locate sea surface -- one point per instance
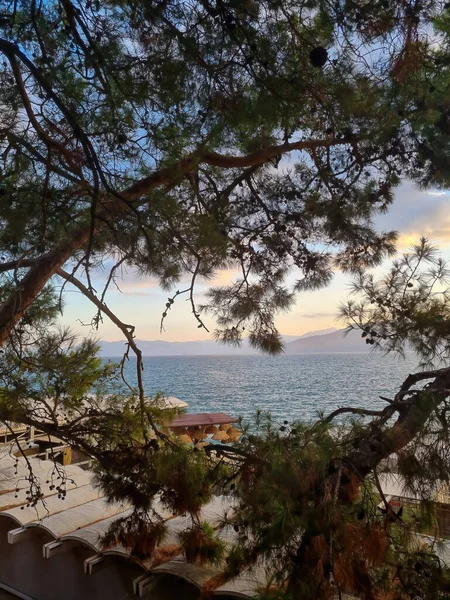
(291, 387)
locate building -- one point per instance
(54, 551)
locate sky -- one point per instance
(414, 213)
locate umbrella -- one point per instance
(234, 433)
(199, 435)
(221, 436)
(185, 438)
(211, 429)
(225, 427)
(193, 430)
(178, 430)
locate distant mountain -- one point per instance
(199, 348)
(309, 343)
(162, 348)
(331, 342)
(315, 333)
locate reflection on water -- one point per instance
(290, 387)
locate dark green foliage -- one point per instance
(181, 138)
(137, 533)
(201, 546)
(408, 308)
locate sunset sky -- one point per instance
(414, 213)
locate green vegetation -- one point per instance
(182, 137)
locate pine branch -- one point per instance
(375, 447)
(354, 411)
(127, 330)
(21, 263)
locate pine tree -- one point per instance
(182, 138)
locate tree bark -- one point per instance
(13, 309)
(413, 415)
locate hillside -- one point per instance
(332, 342)
(309, 343)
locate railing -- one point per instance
(51, 452)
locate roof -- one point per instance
(394, 485)
(173, 402)
(84, 516)
(193, 419)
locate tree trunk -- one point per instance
(13, 309)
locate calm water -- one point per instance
(291, 387)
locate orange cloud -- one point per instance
(435, 226)
(224, 277)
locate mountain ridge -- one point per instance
(338, 342)
(310, 343)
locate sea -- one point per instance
(290, 387)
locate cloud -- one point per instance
(129, 280)
(435, 226)
(224, 277)
(126, 278)
(318, 315)
(415, 213)
(132, 292)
